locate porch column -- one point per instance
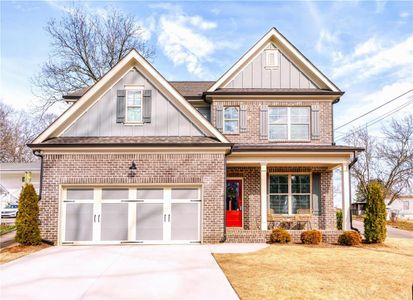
(345, 193)
(264, 225)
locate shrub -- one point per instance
(349, 238)
(311, 237)
(339, 219)
(375, 220)
(280, 235)
(27, 225)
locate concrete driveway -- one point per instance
(116, 272)
(391, 231)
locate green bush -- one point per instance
(27, 225)
(311, 237)
(349, 238)
(375, 220)
(339, 219)
(280, 235)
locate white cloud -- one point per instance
(397, 58)
(405, 14)
(183, 44)
(326, 41)
(184, 39)
(367, 47)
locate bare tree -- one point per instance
(84, 47)
(18, 128)
(388, 160)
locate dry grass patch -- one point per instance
(400, 224)
(14, 252)
(323, 272)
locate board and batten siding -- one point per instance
(256, 75)
(100, 119)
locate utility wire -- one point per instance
(378, 119)
(387, 102)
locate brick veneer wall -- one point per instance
(67, 169)
(259, 236)
(252, 194)
(252, 136)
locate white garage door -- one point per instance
(131, 215)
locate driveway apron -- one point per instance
(116, 272)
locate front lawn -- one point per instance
(323, 272)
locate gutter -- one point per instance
(355, 159)
(39, 154)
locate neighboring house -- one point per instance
(402, 207)
(358, 208)
(11, 179)
(139, 159)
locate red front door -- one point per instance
(234, 203)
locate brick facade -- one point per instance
(259, 236)
(92, 169)
(252, 194)
(252, 136)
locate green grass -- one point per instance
(5, 228)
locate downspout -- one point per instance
(38, 154)
(224, 237)
(349, 175)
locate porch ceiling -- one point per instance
(330, 160)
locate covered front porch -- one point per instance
(292, 189)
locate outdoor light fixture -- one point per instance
(132, 169)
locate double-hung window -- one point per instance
(231, 119)
(134, 105)
(289, 123)
(289, 192)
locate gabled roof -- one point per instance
(286, 47)
(132, 59)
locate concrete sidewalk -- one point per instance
(116, 272)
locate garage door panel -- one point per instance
(185, 193)
(150, 194)
(79, 222)
(79, 194)
(120, 214)
(115, 194)
(185, 221)
(114, 222)
(149, 221)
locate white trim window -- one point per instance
(231, 120)
(272, 58)
(289, 192)
(134, 105)
(406, 205)
(289, 123)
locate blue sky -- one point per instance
(366, 48)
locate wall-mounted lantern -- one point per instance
(132, 169)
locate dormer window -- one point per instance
(272, 58)
(134, 105)
(231, 120)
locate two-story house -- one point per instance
(139, 159)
